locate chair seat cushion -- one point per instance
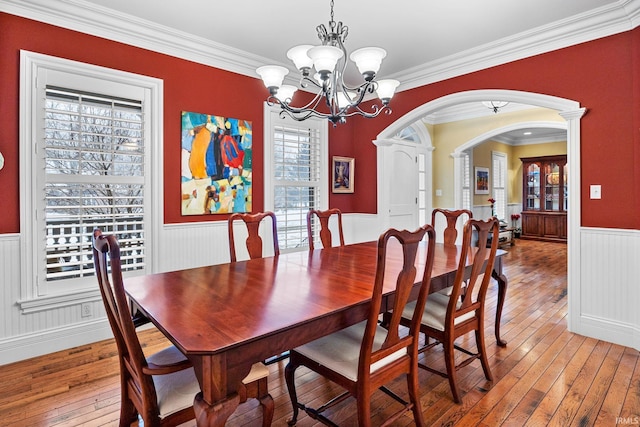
(340, 351)
(435, 311)
(176, 391)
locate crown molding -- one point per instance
(100, 21)
(597, 23)
(89, 18)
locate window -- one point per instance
(466, 180)
(499, 165)
(93, 177)
(295, 174)
(87, 139)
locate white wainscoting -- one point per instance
(608, 296)
(608, 305)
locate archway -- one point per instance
(570, 110)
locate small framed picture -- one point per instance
(482, 180)
(343, 174)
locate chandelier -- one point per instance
(494, 105)
(334, 99)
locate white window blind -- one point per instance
(499, 162)
(94, 177)
(466, 181)
(296, 180)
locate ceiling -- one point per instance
(425, 40)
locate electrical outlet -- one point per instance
(86, 310)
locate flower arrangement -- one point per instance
(514, 221)
(492, 201)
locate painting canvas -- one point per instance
(216, 164)
(482, 180)
(343, 173)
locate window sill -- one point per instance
(51, 302)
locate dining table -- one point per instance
(225, 317)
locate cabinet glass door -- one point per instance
(552, 187)
(532, 175)
(565, 189)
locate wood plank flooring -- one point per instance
(545, 375)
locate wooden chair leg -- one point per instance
(483, 353)
(414, 396)
(449, 358)
(289, 376)
(266, 402)
(364, 410)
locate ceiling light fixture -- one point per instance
(494, 105)
(330, 62)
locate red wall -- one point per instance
(188, 86)
(602, 75)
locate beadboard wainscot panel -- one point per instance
(41, 331)
(9, 284)
(610, 287)
(190, 245)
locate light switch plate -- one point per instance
(596, 191)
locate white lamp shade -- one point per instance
(298, 54)
(368, 59)
(272, 75)
(325, 58)
(386, 88)
(285, 93)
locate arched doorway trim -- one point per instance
(571, 111)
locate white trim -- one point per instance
(50, 341)
(90, 18)
(607, 20)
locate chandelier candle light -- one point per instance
(330, 61)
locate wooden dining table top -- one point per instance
(214, 308)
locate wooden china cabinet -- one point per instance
(544, 198)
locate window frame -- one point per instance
(272, 118)
(35, 70)
(497, 175)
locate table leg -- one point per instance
(219, 384)
(214, 415)
(502, 293)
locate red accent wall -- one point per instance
(188, 86)
(603, 75)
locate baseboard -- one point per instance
(24, 347)
(606, 330)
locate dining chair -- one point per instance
(323, 218)
(451, 216)
(364, 357)
(448, 317)
(159, 388)
(255, 248)
(254, 242)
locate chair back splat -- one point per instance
(254, 241)
(364, 357)
(323, 218)
(451, 216)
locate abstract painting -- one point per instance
(216, 164)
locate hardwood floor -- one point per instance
(545, 375)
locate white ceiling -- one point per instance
(414, 32)
(426, 40)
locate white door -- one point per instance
(403, 187)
